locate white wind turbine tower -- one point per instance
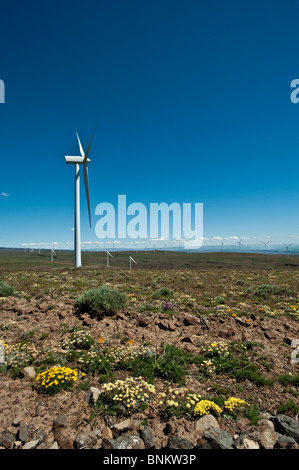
(240, 243)
(131, 259)
(287, 247)
(265, 243)
(108, 254)
(83, 160)
(52, 253)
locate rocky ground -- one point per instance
(29, 419)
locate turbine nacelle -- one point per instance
(80, 160)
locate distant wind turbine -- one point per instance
(131, 259)
(287, 247)
(240, 243)
(265, 243)
(52, 254)
(82, 160)
(108, 254)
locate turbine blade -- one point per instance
(86, 183)
(80, 146)
(87, 151)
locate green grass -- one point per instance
(289, 408)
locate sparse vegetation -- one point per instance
(219, 330)
(6, 290)
(103, 299)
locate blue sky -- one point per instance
(192, 99)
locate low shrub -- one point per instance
(6, 290)
(101, 300)
(164, 292)
(289, 408)
(53, 380)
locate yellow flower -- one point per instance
(205, 407)
(130, 341)
(101, 340)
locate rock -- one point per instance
(7, 439)
(146, 319)
(128, 441)
(244, 442)
(169, 428)
(92, 395)
(230, 332)
(204, 423)
(186, 339)
(171, 326)
(264, 434)
(23, 433)
(62, 436)
(107, 433)
(40, 434)
(218, 438)
(107, 444)
(54, 446)
(163, 325)
(288, 340)
(203, 444)
(60, 421)
(148, 438)
(285, 442)
(31, 444)
(269, 334)
(123, 425)
(28, 373)
(287, 426)
(63, 314)
(191, 320)
(240, 321)
(175, 442)
(88, 439)
(16, 421)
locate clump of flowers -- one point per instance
(205, 407)
(132, 297)
(294, 310)
(207, 367)
(176, 402)
(79, 339)
(235, 405)
(19, 355)
(168, 307)
(126, 396)
(56, 378)
(216, 349)
(91, 360)
(123, 355)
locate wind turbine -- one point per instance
(108, 254)
(52, 253)
(287, 247)
(131, 259)
(265, 243)
(222, 243)
(82, 160)
(240, 243)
